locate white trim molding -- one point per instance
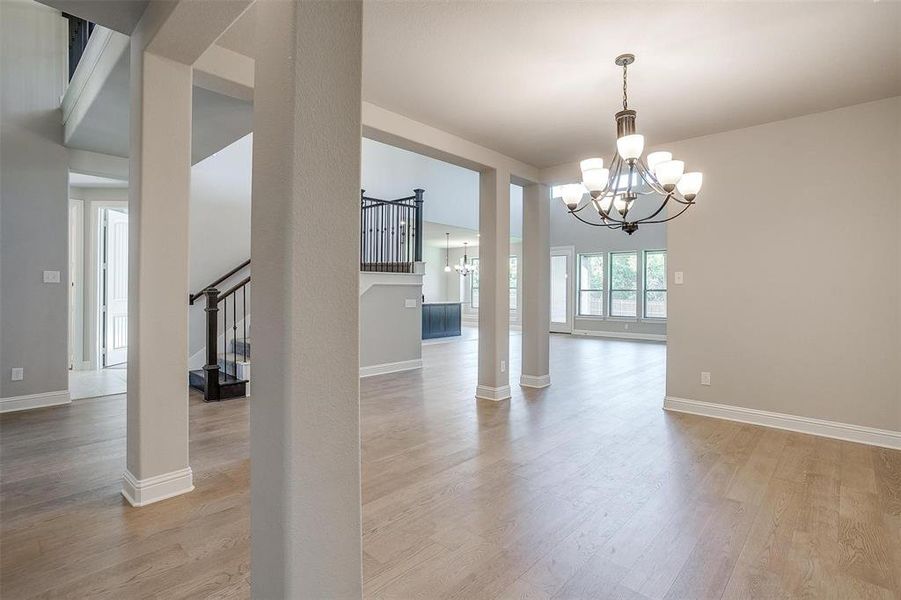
(141, 492)
(624, 335)
(496, 394)
(395, 367)
(831, 429)
(535, 381)
(29, 401)
(372, 278)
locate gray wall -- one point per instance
(33, 199)
(791, 263)
(389, 332)
(219, 227)
(567, 231)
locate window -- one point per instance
(623, 284)
(591, 285)
(474, 284)
(655, 284)
(514, 275)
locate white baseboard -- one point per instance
(624, 335)
(535, 381)
(141, 492)
(14, 403)
(485, 392)
(830, 429)
(395, 367)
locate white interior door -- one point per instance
(561, 290)
(115, 288)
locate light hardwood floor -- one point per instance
(586, 489)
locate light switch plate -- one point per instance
(51, 276)
(17, 374)
(678, 277)
(410, 303)
(705, 378)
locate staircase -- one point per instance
(390, 242)
(225, 374)
(234, 371)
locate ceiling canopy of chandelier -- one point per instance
(631, 186)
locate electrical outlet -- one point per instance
(679, 277)
(18, 374)
(410, 303)
(51, 276)
(705, 378)
(626, 325)
(503, 366)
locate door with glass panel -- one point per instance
(561, 289)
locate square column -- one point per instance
(158, 203)
(305, 408)
(536, 286)
(494, 293)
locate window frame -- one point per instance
(611, 290)
(579, 289)
(646, 289)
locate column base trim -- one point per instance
(535, 381)
(830, 429)
(141, 492)
(496, 394)
(29, 401)
(395, 367)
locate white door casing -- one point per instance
(115, 288)
(562, 289)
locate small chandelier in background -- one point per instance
(630, 183)
(447, 253)
(464, 268)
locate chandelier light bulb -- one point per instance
(669, 173)
(690, 184)
(622, 205)
(591, 163)
(572, 195)
(447, 268)
(605, 203)
(595, 180)
(630, 146)
(655, 158)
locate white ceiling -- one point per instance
(537, 82)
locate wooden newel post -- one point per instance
(417, 253)
(211, 368)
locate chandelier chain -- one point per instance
(625, 95)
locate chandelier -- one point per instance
(630, 186)
(447, 253)
(464, 268)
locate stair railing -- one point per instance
(79, 33)
(391, 233)
(234, 298)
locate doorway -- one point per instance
(114, 286)
(98, 303)
(561, 289)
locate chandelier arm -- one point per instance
(645, 173)
(658, 211)
(618, 164)
(582, 207)
(607, 225)
(686, 207)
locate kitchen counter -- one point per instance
(441, 319)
